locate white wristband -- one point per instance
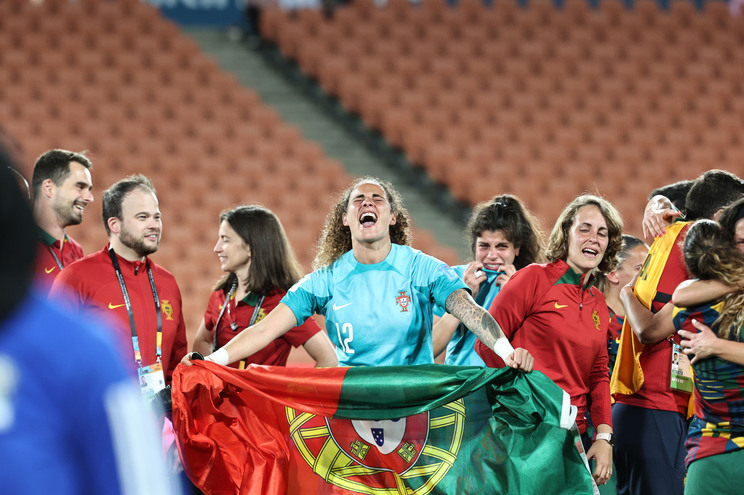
(503, 348)
(220, 356)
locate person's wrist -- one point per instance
(220, 356)
(503, 348)
(607, 437)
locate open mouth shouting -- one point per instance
(368, 219)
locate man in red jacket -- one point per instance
(62, 185)
(124, 284)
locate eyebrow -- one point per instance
(587, 224)
(374, 195)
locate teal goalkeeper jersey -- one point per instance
(379, 314)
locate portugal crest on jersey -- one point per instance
(403, 300)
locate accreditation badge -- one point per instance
(681, 379)
(152, 380)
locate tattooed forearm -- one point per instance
(477, 319)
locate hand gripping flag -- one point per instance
(421, 430)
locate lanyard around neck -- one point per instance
(54, 255)
(234, 324)
(130, 312)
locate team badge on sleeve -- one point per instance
(448, 271)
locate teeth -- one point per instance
(368, 217)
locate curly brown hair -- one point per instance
(558, 241)
(710, 254)
(335, 240)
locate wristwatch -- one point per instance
(608, 437)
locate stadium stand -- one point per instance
(119, 80)
(538, 100)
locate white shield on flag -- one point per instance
(390, 444)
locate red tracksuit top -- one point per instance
(91, 282)
(562, 319)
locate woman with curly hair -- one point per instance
(555, 312)
(375, 291)
(503, 237)
(697, 291)
(716, 434)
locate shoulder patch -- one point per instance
(448, 271)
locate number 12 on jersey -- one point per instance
(345, 336)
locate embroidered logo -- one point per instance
(261, 315)
(595, 317)
(559, 306)
(403, 300)
(49, 270)
(167, 309)
(114, 306)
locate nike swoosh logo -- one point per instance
(336, 308)
(49, 270)
(559, 306)
(112, 306)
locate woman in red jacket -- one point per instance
(259, 267)
(554, 311)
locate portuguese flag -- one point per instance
(429, 429)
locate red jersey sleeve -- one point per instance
(599, 390)
(178, 351)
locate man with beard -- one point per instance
(61, 185)
(122, 282)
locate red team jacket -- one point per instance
(47, 269)
(562, 319)
(91, 282)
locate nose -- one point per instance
(367, 201)
(88, 196)
(156, 223)
(217, 247)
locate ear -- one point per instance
(516, 251)
(717, 214)
(47, 187)
(344, 220)
(114, 225)
(612, 277)
(393, 219)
